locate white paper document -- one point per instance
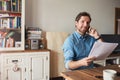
(101, 50)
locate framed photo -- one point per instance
(18, 44)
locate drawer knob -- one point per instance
(16, 68)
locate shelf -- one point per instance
(8, 29)
(13, 12)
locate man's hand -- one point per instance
(82, 62)
(93, 33)
(87, 61)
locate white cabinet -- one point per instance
(38, 67)
(25, 65)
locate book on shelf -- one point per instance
(6, 5)
(10, 38)
(3, 34)
(2, 42)
(34, 37)
(5, 23)
(0, 5)
(13, 5)
(10, 42)
(34, 33)
(4, 15)
(16, 14)
(16, 5)
(20, 5)
(16, 22)
(10, 22)
(10, 5)
(33, 29)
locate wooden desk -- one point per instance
(89, 74)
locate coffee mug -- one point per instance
(109, 74)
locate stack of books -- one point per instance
(33, 38)
(34, 33)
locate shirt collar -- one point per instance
(80, 36)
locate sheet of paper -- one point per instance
(101, 50)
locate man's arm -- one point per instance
(83, 62)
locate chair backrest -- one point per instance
(55, 41)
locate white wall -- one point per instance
(59, 15)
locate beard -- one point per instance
(82, 31)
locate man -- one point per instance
(77, 46)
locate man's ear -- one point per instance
(76, 23)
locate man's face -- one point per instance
(83, 24)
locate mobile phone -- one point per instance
(89, 29)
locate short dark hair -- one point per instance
(82, 14)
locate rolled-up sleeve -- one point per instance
(68, 52)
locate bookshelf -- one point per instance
(12, 24)
(117, 21)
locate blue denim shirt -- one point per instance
(77, 47)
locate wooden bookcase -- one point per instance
(117, 21)
(12, 24)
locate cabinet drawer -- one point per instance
(15, 60)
